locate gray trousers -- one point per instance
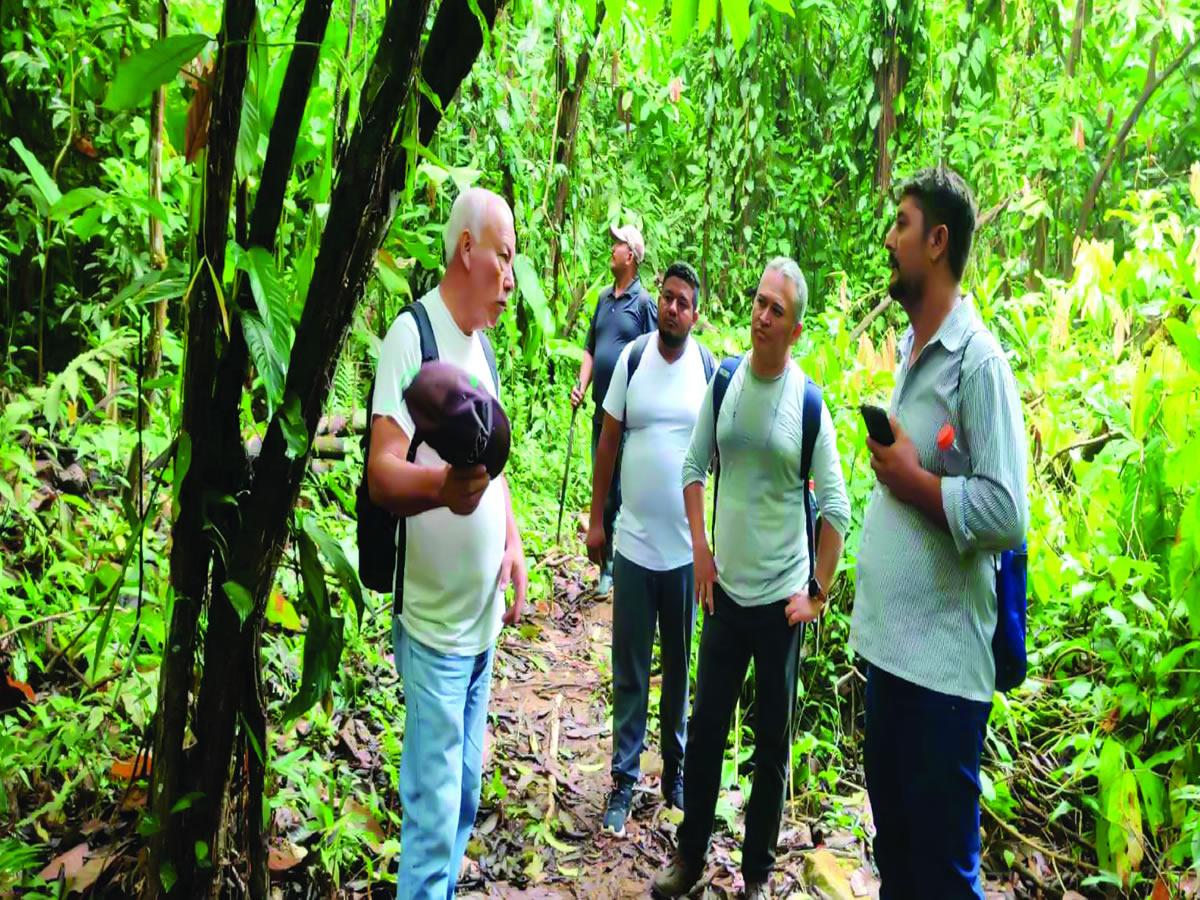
(643, 598)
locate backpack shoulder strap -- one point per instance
(721, 379)
(635, 357)
(811, 425)
(489, 354)
(710, 364)
(810, 419)
(429, 348)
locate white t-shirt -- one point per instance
(659, 412)
(452, 600)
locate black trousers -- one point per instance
(732, 636)
(612, 503)
(645, 600)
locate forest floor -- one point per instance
(550, 740)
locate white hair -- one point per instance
(468, 213)
(790, 270)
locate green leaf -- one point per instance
(589, 13)
(531, 293)
(322, 653)
(74, 200)
(270, 366)
(166, 875)
(783, 6)
(272, 297)
(1186, 340)
(183, 462)
(141, 74)
(336, 557)
(737, 15)
(239, 599)
(683, 18)
(41, 177)
(295, 432)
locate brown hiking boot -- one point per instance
(757, 890)
(677, 879)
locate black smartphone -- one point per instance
(878, 426)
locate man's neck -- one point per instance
(928, 314)
(453, 290)
(669, 353)
(768, 366)
(621, 285)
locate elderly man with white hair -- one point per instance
(764, 421)
(461, 551)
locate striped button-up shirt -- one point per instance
(925, 602)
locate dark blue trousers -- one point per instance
(644, 601)
(922, 760)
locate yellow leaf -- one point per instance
(1194, 182)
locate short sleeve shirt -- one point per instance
(617, 321)
(452, 598)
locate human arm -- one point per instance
(512, 566)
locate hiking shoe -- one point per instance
(672, 788)
(617, 809)
(677, 879)
(604, 585)
(757, 890)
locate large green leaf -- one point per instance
(336, 557)
(271, 367)
(1186, 340)
(74, 200)
(737, 15)
(295, 432)
(531, 293)
(272, 296)
(324, 638)
(41, 177)
(239, 599)
(139, 75)
(683, 18)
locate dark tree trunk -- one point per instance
(566, 126)
(891, 76)
(252, 540)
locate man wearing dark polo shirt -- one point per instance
(624, 311)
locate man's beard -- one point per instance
(674, 341)
(907, 290)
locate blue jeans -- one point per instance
(445, 699)
(922, 761)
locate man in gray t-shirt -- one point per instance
(756, 590)
(623, 312)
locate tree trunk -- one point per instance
(566, 126)
(251, 540)
(1076, 37)
(172, 847)
(890, 79)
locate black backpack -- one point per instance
(380, 531)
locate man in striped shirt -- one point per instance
(925, 604)
(759, 587)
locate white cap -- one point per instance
(628, 234)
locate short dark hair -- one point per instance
(687, 274)
(945, 199)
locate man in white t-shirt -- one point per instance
(656, 406)
(461, 551)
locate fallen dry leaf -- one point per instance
(284, 855)
(137, 766)
(22, 687)
(79, 867)
(1161, 891)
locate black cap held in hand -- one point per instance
(456, 416)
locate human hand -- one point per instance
(463, 488)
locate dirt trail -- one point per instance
(547, 777)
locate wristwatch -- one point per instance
(815, 591)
